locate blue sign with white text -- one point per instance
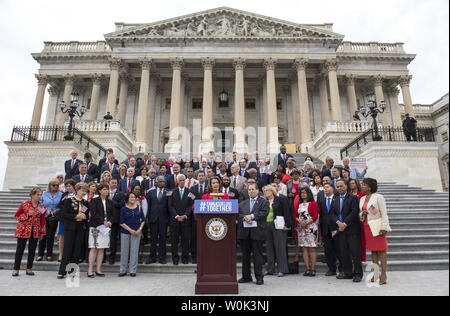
(216, 207)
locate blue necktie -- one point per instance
(340, 210)
(252, 203)
(328, 204)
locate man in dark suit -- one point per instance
(111, 166)
(104, 160)
(150, 182)
(243, 195)
(328, 202)
(71, 165)
(180, 209)
(158, 218)
(172, 180)
(118, 200)
(144, 162)
(346, 216)
(243, 171)
(127, 184)
(198, 190)
(226, 188)
(82, 175)
(251, 233)
(92, 168)
(283, 157)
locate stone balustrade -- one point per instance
(373, 47)
(76, 47)
(102, 126)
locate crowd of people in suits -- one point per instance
(94, 207)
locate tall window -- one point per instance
(197, 104)
(167, 105)
(250, 104)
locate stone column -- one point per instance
(395, 107)
(239, 107)
(295, 110)
(336, 111)
(141, 126)
(300, 65)
(95, 96)
(207, 117)
(323, 94)
(115, 64)
(52, 108)
(39, 101)
(175, 105)
(69, 81)
(123, 97)
(272, 115)
(151, 112)
(379, 96)
(351, 94)
(407, 101)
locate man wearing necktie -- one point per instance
(71, 165)
(346, 216)
(180, 209)
(328, 228)
(283, 157)
(118, 200)
(253, 212)
(126, 185)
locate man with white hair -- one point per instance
(71, 166)
(111, 166)
(180, 202)
(354, 173)
(126, 162)
(237, 181)
(172, 181)
(203, 167)
(144, 162)
(126, 185)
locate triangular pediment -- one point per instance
(223, 23)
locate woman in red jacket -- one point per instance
(31, 227)
(214, 187)
(307, 218)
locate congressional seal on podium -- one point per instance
(216, 229)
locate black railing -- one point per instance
(27, 134)
(388, 134)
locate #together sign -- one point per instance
(216, 207)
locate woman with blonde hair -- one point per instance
(105, 178)
(122, 172)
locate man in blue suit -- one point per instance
(158, 218)
(127, 184)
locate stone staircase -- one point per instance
(419, 241)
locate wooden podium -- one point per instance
(216, 246)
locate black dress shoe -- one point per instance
(259, 282)
(29, 273)
(91, 276)
(151, 260)
(175, 262)
(242, 280)
(357, 279)
(99, 274)
(132, 275)
(343, 276)
(162, 261)
(184, 261)
(112, 261)
(122, 274)
(15, 275)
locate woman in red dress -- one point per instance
(30, 227)
(355, 189)
(215, 187)
(373, 210)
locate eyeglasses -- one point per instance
(55, 185)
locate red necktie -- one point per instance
(175, 180)
(129, 184)
(151, 184)
(284, 157)
(189, 184)
(201, 189)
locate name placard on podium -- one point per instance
(216, 246)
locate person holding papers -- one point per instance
(30, 227)
(376, 224)
(74, 215)
(278, 222)
(252, 233)
(307, 217)
(101, 209)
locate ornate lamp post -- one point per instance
(74, 109)
(373, 110)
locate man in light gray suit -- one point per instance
(237, 182)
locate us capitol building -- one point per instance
(224, 80)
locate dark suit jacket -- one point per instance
(157, 210)
(245, 175)
(141, 163)
(350, 213)
(102, 162)
(281, 207)
(280, 159)
(171, 182)
(178, 206)
(196, 191)
(326, 222)
(145, 185)
(115, 172)
(118, 201)
(123, 185)
(260, 210)
(243, 195)
(93, 170)
(70, 210)
(98, 213)
(233, 193)
(87, 178)
(71, 172)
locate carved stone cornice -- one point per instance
(239, 63)
(177, 63)
(208, 63)
(300, 63)
(404, 81)
(270, 63)
(42, 79)
(331, 64)
(97, 78)
(146, 63)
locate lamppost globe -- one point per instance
(62, 105)
(371, 97)
(223, 96)
(383, 105)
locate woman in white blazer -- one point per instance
(373, 214)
